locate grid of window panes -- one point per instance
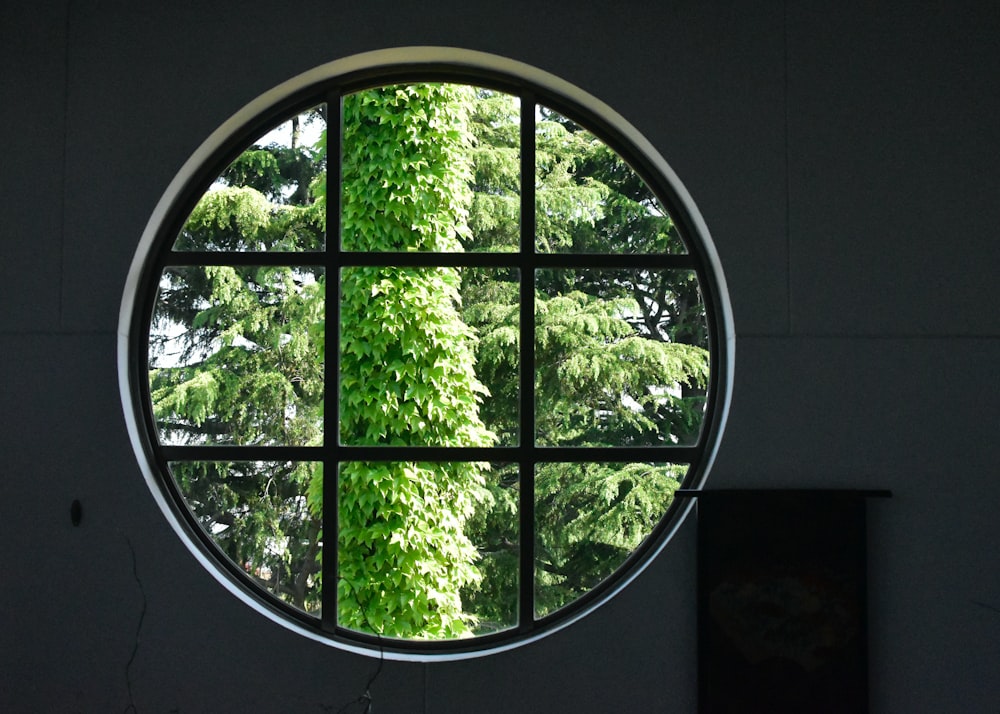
(513, 386)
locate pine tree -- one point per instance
(235, 356)
(621, 357)
(428, 356)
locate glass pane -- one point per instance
(495, 213)
(589, 518)
(492, 603)
(429, 356)
(236, 355)
(271, 198)
(588, 200)
(621, 357)
(413, 558)
(260, 515)
(431, 167)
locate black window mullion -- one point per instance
(240, 452)
(663, 261)
(331, 361)
(526, 510)
(526, 452)
(503, 260)
(252, 258)
(430, 259)
(581, 454)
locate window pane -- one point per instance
(431, 167)
(412, 548)
(236, 355)
(589, 518)
(492, 603)
(588, 200)
(259, 514)
(425, 175)
(621, 357)
(428, 356)
(495, 213)
(271, 198)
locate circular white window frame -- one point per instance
(416, 57)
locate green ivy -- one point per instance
(407, 365)
(428, 356)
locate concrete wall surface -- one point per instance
(845, 161)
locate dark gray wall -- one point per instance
(845, 164)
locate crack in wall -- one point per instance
(986, 605)
(138, 631)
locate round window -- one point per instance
(417, 349)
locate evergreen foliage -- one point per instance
(428, 357)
